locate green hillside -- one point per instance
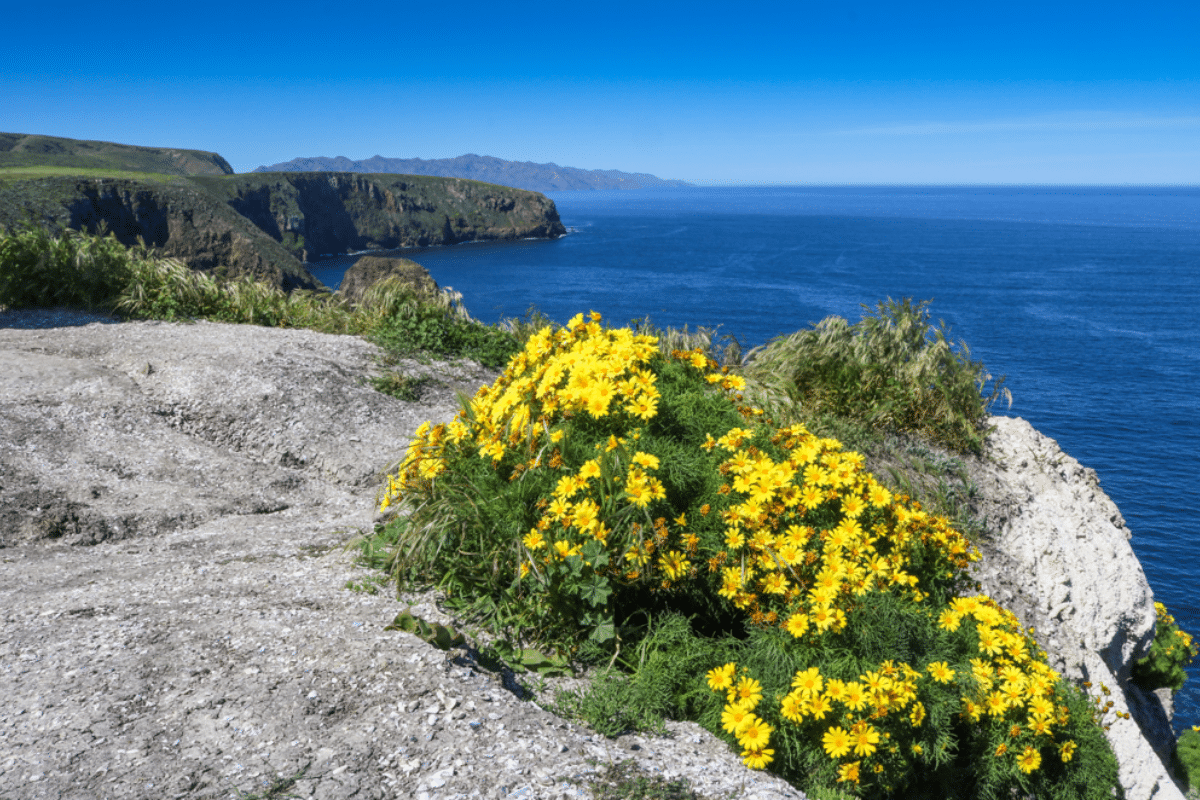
(20, 151)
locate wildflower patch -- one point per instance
(600, 482)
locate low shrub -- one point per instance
(600, 485)
(1170, 653)
(891, 371)
(74, 269)
(1187, 760)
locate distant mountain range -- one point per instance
(489, 169)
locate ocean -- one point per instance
(1086, 299)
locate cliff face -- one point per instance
(266, 226)
(174, 217)
(1057, 554)
(312, 214)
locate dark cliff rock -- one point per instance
(313, 213)
(175, 218)
(369, 270)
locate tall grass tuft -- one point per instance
(72, 269)
(892, 371)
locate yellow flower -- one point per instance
(855, 697)
(941, 671)
(721, 678)
(808, 681)
(1067, 751)
(757, 759)
(1029, 760)
(747, 692)
(848, 772)
(755, 735)
(674, 564)
(797, 624)
(533, 540)
(819, 706)
(735, 717)
(590, 469)
(865, 738)
(836, 742)
(646, 460)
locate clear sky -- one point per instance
(962, 92)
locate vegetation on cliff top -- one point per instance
(611, 503)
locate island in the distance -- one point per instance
(489, 169)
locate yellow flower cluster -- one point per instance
(742, 698)
(783, 569)
(582, 368)
(1182, 649)
(1012, 686)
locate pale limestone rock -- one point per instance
(1057, 554)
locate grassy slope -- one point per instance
(29, 150)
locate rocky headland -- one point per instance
(187, 205)
(174, 502)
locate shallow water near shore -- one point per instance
(1088, 299)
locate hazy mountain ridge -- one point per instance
(489, 169)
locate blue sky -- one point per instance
(795, 93)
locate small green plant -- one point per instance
(891, 371)
(408, 388)
(1172, 650)
(277, 788)
(1187, 760)
(625, 780)
(423, 328)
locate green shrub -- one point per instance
(426, 329)
(1172, 650)
(891, 371)
(1187, 759)
(600, 485)
(72, 269)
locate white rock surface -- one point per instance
(1057, 554)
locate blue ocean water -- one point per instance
(1087, 299)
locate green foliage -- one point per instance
(75, 269)
(1186, 761)
(656, 681)
(37, 269)
(1172, 650)
(891, 371)
(402, 387)
(427, 329)
(626, 781)
(604, 500)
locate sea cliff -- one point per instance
(211, 618)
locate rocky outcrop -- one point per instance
(369, 270)
(206, 645)
(1057, 554)
(176, 218)
(315, 213)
